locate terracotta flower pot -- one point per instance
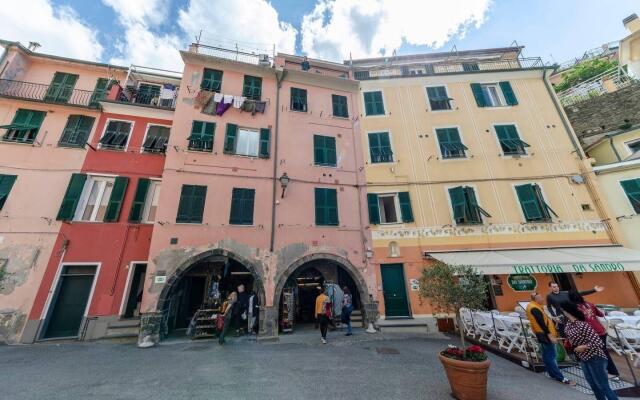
(468, 379)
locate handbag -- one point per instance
(219, 323)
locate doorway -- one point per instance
(396, 304)
(136, 287)
(70, 301)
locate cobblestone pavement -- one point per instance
(298, 367)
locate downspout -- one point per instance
(274, 178)
(615, 151)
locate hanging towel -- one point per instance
(238, 101)
(228, 99)
(217, 97)
(260, 107)
(222, 108)
(202, 98)
(210, 107)
(168, 92)
(249, 106)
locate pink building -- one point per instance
(264, 191)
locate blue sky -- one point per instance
(148, 31)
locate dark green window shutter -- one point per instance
(25, 126)
(71, 197)
(230, 139)
(192, 201)
(117, 197)
(265, 142)
(242, 202)
(507, 92)
(374, 208)
(405, 207)
(529, 203)
(458, 204)
(298, 99)
(252, 87)
(380, 147)
(61, 87)
(211, 80)
(339, 104)
(631, 188)
(324, 150)
(137, 207)
(326, 206)
(99, 92)
(6, 183)
(450, 143)
(201, 138)
(546, 209)
(438, 98)
(476, 88)
(373, 104)
(76, 132)
(472, 210)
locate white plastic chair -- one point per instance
(484, 327)
(636, 313)
(495, 312)
(612, 337)
(467, 322)
(509, 336)
(514, 314)
(617, 314)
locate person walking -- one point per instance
(545, 332)
(323, 312)
(588, 348)
(591, 314)
(228, 315)
(347, 309)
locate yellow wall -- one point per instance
(603, 153)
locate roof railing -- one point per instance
(608, 81)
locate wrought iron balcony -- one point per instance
(151, 99)
(47, 93)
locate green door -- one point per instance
(395, 293)
(70, 302)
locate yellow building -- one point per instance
(471, 160)
(629, 52)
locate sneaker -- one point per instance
(324, 341)
(348, 334)
(614, 378)
(568, 382)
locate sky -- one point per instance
(150, 32)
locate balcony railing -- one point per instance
(448, 67)
(46, 94)
(249, 56)
(132, 96)
(609, 81)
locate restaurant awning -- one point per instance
(544, 261)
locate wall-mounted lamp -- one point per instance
(284, 182)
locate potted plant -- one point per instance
(449, 288)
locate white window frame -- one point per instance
(86, 192)
(393, 150)
(501, 99)
(495, 137)
(256, 132)
(435, 138)
(396, 203)
(104, 131)
(384, 104)
(632, 210)
(446, 88)
(631, 142)
(149, 199)
(146, 133)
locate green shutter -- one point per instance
(330, 149)
(6, 183)
(242, 203)
(476, 88)
(339, 104)
(631, 188)
(115, 201)
(198, 202)
(265, 143)
(368, 103)
(211, 80)
(192, 201)
(298, 99)
(324, 150)
(252, 87)
(507, 92)
(230, 139)
(61, 87)
(458, 204)
(71, 197)
(137, 207)
(473, 210)
(405, 207)
(529, 203)
(374, 208)
(99, 92)
(546, 209)
(373, 103)
(326, 202)
(76, 132)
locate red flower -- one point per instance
(475, 349)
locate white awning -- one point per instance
(544, 261)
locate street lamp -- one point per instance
(284, 182)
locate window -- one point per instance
(470, 66)
(510, 141)
(101, 198)
(389, 208)
(634, 146)
(116, 135)
(324, 150)
(242, 206)
(99, 92)
(6, 183)
(438, 98)
(145, 201)
(450, 144)
(211, 80)
(252, 87)
(373, 104)
(61, 88)
(201, 138)
(76, 132)
(148, 94)
(326, 207)
(191, 207)
(339, 104)
(494, 94)
(534, 207)
(631, 188)
(465, 206)
(380, 148)
(24, 127)
(247, 142)
(298, 99)
(156, 140)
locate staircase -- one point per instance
(356, 318)
(123, 328)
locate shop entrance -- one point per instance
(565, 281)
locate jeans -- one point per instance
(595, 371)
(549, 361)
(324, 323)
(611, 366)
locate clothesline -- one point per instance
(213, 103)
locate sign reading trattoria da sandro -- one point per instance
(522, 282)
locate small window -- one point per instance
(247, 142)
(510, 141)
(438, 98)
(116, 135)
(76, 132)
(6, 183)
(324, 150)
(61, 89)
(631, 188)
(389, 208)
(298, 99)
(151, 203)
(450, 143)
(191, 206)
(252, 87)
(95, 199)
(470, 67)
(339, 104)
(25, 126)
(242, 201)
(534, 207)
(201, 138)
(156, 140)
(326, 207)
(380, 148)
(211, 80)
(373, 103)
(465, 206)
(148, 94)
(494, 94)
(634, 146)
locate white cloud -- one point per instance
(60, 31)
(366, 28)
(150, 12)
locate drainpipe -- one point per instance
(279, 79)
(615, 151)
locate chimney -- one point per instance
(632, 23)
(34, 45)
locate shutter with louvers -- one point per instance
(76, 132)
(473, 214)
(265, 143)
(198, 202)
(6, 183)
(374, 208)
(405, 207)
(476, 88)
(508, 93)
(99, 92)
(211, 80)
(458, 204)
(137, 207)
(529, 202)
(191, 206)
(71, 197)
(326, 206)
(115, 201)
(631, 188)
(339, 104)
(546, 209)
(230, 139)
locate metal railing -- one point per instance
(147, 99)
(46, 94)
(609, 81)
(447, 67)
(236, 54)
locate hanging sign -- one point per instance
(160, 279)
(522, 282)
(415, 285)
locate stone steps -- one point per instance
(123, 328)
